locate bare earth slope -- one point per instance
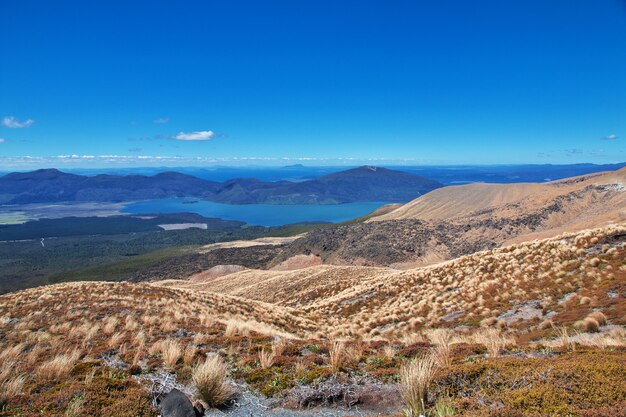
(575, 203)
(453, 221)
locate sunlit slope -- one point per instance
(521, 284)
(584, 201)
(296, 288)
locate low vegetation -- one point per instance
(209, 378)
(500, 333)
(415, 380)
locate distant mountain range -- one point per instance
(366, 183)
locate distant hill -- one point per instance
(569, 204)
(360, 184)
(365, 183)
(458, 220)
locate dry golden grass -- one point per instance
(415, 379)
(370, 303)
(278, 346)
(381, 316)
(110, 324)
(354, 354)
(58, 367)
(209, 378)
(116, 340)
(476, 202)
(172, 351)
(442, 339)
(189, 355)
(337, 353)
(11, 353)
(563, 340)
(75, 407)
(493, 339)
(12, 386)
(266, 358)
(588, 324)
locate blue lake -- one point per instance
(257, 214)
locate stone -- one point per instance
(176, 404)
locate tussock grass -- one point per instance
(58, 367)
(189, 354)
(12, 387)
(493, 340)
(588, 324)
(171, 351)
(442, 339)
(266, 358)
(209, 378)
(415, 379)
(337, 353)
(382, 317)
(75, 407)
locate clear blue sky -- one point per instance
(437, 81)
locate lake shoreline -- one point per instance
(251, 214)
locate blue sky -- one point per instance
(316, 82)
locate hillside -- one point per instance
(359, 184)
(530, 329)
(576, 202)
(459, 220)
(462, 291)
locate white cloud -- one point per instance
(612, 136)
(2, 140)
(13, 123)
(162, 120)
(200, 135)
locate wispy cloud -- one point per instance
(570, 152)
(107, 161)
(612, 136)
(13, 123)
(199, 135)
(135, 150)
(161, 120)
(2, 140)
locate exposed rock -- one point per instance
(371, 396)
(177, 404)
(525, 311)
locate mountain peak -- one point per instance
(369, 168)
(43, 174)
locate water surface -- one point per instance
(257, 214)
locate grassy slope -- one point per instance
(462, 292)
(377, 316)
